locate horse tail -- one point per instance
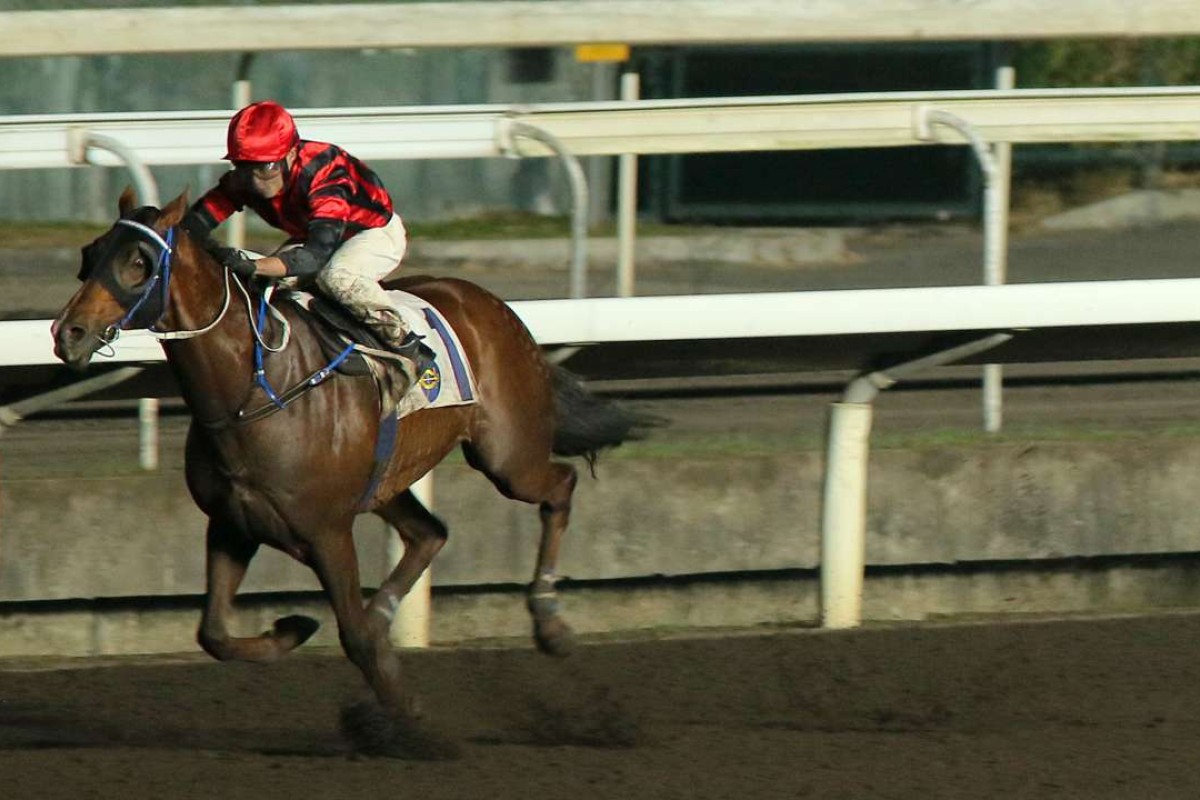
(584, 424)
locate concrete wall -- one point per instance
(1033, 506)
(142, 536)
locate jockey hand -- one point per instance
(237, 262)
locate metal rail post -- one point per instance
(844, 498)
(81, 140)
(995, 233)
(410, 627)
(15, 412)
(510, 130)
(627, 199)
(235, 231)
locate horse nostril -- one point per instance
(69, 334)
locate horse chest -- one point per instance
(262, 513)
(261, 520)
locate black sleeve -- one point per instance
(324, 236)
(198, 222)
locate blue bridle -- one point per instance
(160, 276)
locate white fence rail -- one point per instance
(643, 127)
(942, 309)
(569, 22)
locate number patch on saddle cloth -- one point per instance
(430, 382)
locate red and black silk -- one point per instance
(328, 196)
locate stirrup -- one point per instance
(416, 351)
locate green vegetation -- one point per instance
(1108, 62)
(47, 234)
(123, 462)
(497, 225)
(666, 446)
(522, 225)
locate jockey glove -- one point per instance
(236, 261)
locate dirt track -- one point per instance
(1087, 709)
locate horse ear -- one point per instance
(127, 202)
(174, 211)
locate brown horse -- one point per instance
(296, 479)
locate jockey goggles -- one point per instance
(260, 169)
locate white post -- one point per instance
(627, 199)
(577, 281)
(410, 628)
(996, 209)
(844, 515)
(148, 433)
(235, 230)
(1001, 187)
(995, 230)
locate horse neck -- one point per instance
(214, 369)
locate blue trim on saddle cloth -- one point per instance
(385, 445)
(461, 375)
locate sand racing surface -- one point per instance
(1084, 708)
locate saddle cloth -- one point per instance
(448, 381)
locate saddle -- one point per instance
(445, 377)
(336, 330)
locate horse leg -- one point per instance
(550, 484)
(391, 727)
(228, 557)
(364, 641)
(423, 535)
(552, 634)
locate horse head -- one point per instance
(126, 275)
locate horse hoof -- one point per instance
(554, 637)
(373, 731)
(293, 631)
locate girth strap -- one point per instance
(385, 445)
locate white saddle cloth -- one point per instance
(448, 381)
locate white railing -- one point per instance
(805, 122)
(570, 22)
(932, 310)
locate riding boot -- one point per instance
(413, 348)
(396, 337)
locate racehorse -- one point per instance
(296, 479)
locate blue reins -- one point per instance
(260, 373)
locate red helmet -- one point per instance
(262, 131)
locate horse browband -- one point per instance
(149, 232)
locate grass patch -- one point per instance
(520, 225)
(1031, 434)
(749, 445)
(497, 225)
(33, 235)
(696, 448)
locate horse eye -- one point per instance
(136, 270)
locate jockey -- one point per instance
(344, 234)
